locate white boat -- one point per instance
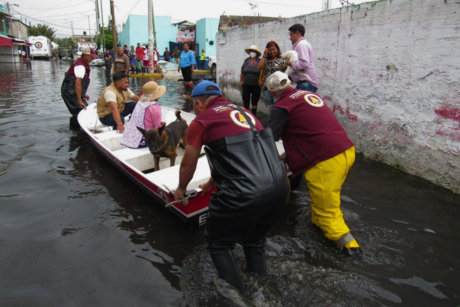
(97, 62)
(138, 165)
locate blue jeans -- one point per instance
(203, 64)
(269, 97)
(108, 120)
(306, 86)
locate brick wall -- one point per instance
(389, 70)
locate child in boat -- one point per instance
(146, 114)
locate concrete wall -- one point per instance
(206, 30)
(9, 54)
(136, 31)
(390, 72)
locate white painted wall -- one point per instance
(390, 71)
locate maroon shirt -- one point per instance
(312, 134)
(218, 121)
(80, 61)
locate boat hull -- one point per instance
(194, 214)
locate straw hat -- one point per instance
(152, 91)
(255, 49)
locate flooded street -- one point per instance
(74, 231)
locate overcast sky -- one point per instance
(59, 14)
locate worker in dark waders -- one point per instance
(252, 185)
(75, 85)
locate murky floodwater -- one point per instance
(75, 232)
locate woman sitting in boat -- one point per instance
(146, 114)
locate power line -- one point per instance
(130, 11)
(76, 13)
(49, 23)
(54, 8)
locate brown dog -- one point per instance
(162, 142)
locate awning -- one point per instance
(21, 44)
(5, 41)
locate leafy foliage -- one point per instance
(42, 29)
(108, 38)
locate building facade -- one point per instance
(13, 37)
(206, 30)
(136, 31)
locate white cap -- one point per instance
(277, 81)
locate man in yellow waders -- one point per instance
(318, 146)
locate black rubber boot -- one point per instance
(73, 123)
(226, 268)
(255, 257)
(254, 111)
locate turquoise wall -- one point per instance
(206, 30)
(136, 31)
(2, 21)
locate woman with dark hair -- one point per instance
(271, 62)
(249, 79)
(187, 66)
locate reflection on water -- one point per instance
(75, 231)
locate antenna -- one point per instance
(253, 6)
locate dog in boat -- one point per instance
(293, 57)
(162, 142)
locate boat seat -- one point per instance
(94, 124)
(169, 117)
(169, 177)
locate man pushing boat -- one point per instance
(75, 85)
(252, 185)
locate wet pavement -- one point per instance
(75, 232)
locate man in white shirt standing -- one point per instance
(113, 105)
(75, 85)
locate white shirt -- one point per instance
(111, 96)
(79, 71)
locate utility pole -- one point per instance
(150, 17)
(114, 28)
(73, 36)
(89, 26)
(103, 31)
(98, 27)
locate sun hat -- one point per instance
(253, 48)
(152, 91)
(201, 89)
(277, 81)
(89, 51)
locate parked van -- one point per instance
(40, 47)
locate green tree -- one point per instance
(70, 43)
(42, 29)
(108, 38)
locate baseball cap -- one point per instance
(277, 81)
(89, 51)
(202, 89)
